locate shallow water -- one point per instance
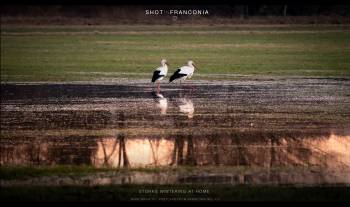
(268, 124)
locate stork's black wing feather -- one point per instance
(156, 75)
(176, 75)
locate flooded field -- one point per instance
(281, 131)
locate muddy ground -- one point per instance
(266, 125)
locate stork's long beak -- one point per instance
(167, 63)
(195, 66)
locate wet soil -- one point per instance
(264, 123)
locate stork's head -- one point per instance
(163, 62)
(191, 64)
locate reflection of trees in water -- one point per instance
(33, 153)
(260, 149)
(184, 151)
(263, 149)
(29, 153)
(214, 142)
(241, 152)
(123, 160)
(107, 155)
(73, 150)
(235, 149)
(121, 139)
(122, 151)
(191, 157)
(184, 147)
(48, 151)
(154, 144)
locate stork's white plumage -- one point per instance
(160, 73)
(184, 72)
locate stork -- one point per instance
(160, 73)
(183, 72)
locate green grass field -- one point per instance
(78, 53)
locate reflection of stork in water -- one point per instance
(186, 107)
(162, 103)
(184, 149)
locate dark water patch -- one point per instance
(61, 91)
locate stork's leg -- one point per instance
(192, 87)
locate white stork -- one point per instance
(160, 73)
(183, 72)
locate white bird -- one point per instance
(160, 73)
(184, 72)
